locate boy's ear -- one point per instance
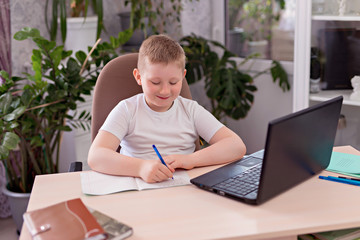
(137, 76)
(184, 73)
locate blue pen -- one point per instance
(341, 180)
(356, 179)
(161, 159)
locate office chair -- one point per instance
(75, 167)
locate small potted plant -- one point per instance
(147, 17)
(78, 29)
(255, 18)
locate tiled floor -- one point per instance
(8, 229)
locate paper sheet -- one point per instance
(344, 163)
(95, 183)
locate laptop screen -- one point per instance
(298, 146)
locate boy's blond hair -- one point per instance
(161, 49)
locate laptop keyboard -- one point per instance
(243, 183)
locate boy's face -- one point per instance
(161, 84)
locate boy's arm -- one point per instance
(225, 146)
(103, 158)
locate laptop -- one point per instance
(297, 147)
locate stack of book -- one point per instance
(344, 234)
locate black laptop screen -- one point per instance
(298, 146)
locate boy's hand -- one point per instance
(154, 171)
(179, 161)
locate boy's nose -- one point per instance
(164, 89)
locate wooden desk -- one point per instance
(187, 212)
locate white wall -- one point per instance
(270, 102)
(195, 18)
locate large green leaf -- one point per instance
(26, 33)
(4, 74)
(73, 67)
(124, 36)
(100, 13)
(81, 56)
(5, 102)
(10, 141)
(15, 114)
(36, 59)
(56, 56)
(63, 24)
(279, 74)
(26, 96)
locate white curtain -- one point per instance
(5, 64)
(5, 36)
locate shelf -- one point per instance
(328, 94)
(336, 18)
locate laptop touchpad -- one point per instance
(249, 162)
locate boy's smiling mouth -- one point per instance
(163, 98)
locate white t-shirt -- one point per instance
(175, 131)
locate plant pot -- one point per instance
(314, 85)
(138, 36)
(236, 41)
(18, 205)
(259, 47)
(80, 33)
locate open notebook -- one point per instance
(95, 183)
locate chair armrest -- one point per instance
(75, 167)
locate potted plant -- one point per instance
(255, 18)
(146, 17)
(154, 14)
(37, 108)
(78, 30)
(229, 89)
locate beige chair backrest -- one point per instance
(115, 83)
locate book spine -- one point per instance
(34, 231)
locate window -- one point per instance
(261, 27)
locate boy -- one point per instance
(161, 117)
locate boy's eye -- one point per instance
(155, 83)
(173, 83)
